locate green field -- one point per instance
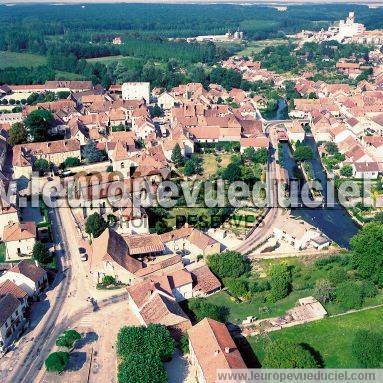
(13, 59)
(257, 46)
(331, 337)
(238, 311)
(109, 59)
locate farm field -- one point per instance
(13, 59)
(257, 46)
(331, 337)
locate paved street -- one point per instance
(66, 305)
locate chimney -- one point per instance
(216, 352)
(227, 350)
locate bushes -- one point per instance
(141, 368)
(184, 343)
(154, 339)
(324, 291)
(95, 225)
(367, 347)
(41, 254)
(201, 309)
(143, 349)
(349, 295)
(238, 287)
(337, 275)
(68, 339)
(287, 354)
(228, 264)
(57, 361)
(280, 282)
(367, 252)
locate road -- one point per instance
(34, 358)
(260, 233)
(68, 306)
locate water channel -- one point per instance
(334, 222)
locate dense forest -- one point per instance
(68, 35)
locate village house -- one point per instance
(53, 151)
(136, 91)
(369, 170)
(153, 302)
(166, 101)
(295, 132)
(205, 283)
(261, 142)
(31, 278)
(8, 213)
(110, 256)
(211, 348)
(19, 240)
(12, 321)
(191, 239)
(299, 234)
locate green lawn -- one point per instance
(2, 252)
(238, 311)
(13, 59)
(331, 337)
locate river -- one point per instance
(334, 222)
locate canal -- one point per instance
(334, 222)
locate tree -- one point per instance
(155, 111)
(184, 343)
(284, 353)
(346, 170)
(108, 280)
(367, 252)
(237, 286)
(68, 339)
(42, 165)
(95, 225)
(280, 282)
(249, 154)
(70, 162)
(154, 339)
(324, 291)
(337, 275)
(177, 156)
(41, 254)
(367, 347)
(202, 308)
(92, 154)
(141, 368)
(349, 295)
(228, 264)
(303, 153)
(18, 134)
(192, 166)
(232, 171)
(331, 147)
(57, 361)
(38, 123)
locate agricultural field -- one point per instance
(256, 46)
(16, 60)
(331, 337)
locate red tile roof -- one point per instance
(214, 348)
